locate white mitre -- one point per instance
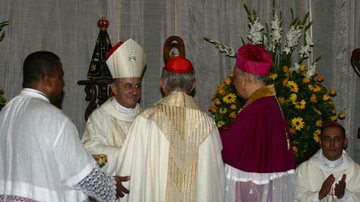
(126, 60)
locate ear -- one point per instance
(47, 80)
(245, 76)
(113, 88)
(163, 87)
(345, 143)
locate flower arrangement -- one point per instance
(304, 100)
(3, 101)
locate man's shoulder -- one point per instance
(102, 110)
(43, 107)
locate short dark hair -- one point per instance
(333, 125)
(38, 64)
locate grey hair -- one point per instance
(254, 77)
(177, 81)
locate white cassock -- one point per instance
(312, 173)
(41, 155)
(106, 131)
(173, 153)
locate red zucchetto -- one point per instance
(254, 59)
(179, 64)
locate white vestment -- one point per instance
(312, 173)
(173, 152)
(41, 155)
(106, 130)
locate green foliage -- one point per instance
(305, 102)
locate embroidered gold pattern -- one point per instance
(185, 127)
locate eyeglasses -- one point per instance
(330, 139)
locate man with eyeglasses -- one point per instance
(329, 175)
(108, 125)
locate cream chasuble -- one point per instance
(172, 153)
(312, 173)
(106, 131)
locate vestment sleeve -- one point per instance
(98, 185)
(95, 142)
(73, 161)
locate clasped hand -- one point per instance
(339, 187)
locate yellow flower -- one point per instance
(217, 101)
(320, 78)
(285, 68)
(293, 97)
(333, 118)
(227, 81)
(221, 92)
(300, 105)
(213, 96)
(341, 115)
(318, 123)
(297, 123)
(284, 82)
(229, 98)
(293, 86)
(223, 110)
(295, 149)
(220, 124)
(311, 87)
(302, 68)
(326, 97)
(306, 80)
(313, 98)
(233, 106)
(281, 100)
(232, 115)
(273, 76)
(292, 130)
(333, 92)
(316, 135)
(213, 108)
(316, 88)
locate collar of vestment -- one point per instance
(264, 91)
(112, 107)
(343, 163)
(179, 99)
(30, 92)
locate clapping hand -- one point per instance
(120, 189)
(326, 186)
(340, 187)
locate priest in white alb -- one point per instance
(108, 125)
(329, 175)
(173, 149)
